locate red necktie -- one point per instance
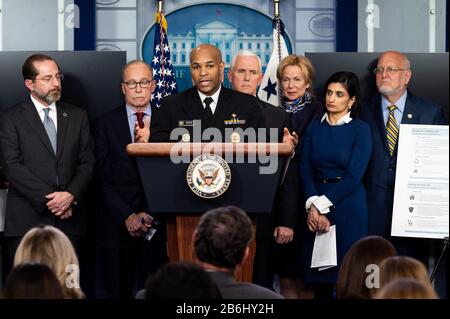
(140, 119)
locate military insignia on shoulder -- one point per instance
(234, 120)
(208, 176)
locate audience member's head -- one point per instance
(357, 265)
(406, 288)
(181, 281)
(32, 281)
(49, 246)
(397, 267)
(222, 237)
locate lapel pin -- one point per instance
(65, 114)
(409, 115)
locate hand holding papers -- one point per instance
(324, 254)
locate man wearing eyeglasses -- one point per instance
(127, 253)
(47, 154)
(393, 105)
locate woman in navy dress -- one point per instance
(334, 156)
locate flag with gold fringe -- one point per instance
(161, 63)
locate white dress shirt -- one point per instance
(215, 98)
(40, 109)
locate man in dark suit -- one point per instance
(208, 104)
(277, 228)
(47, 154)
(393, 73)
(221, 243)
(124, 220)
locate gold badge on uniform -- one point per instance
(186, 137)
(235, 137)
(186, 123)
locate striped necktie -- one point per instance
(391, 129)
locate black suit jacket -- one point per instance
(34, 170)
(178, 111)
(379, 179)
(117, 176)
(285, 209)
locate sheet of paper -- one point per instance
(324, 254)
(421, 198)
(3, 193)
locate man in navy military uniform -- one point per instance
(208, 103)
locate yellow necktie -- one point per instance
(391, 129)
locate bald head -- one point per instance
(206, 68)
(396, 55)
(393, 76)
(209, 49)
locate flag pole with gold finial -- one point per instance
(160, 6)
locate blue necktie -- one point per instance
(50, 128)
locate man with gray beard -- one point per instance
(47, 153)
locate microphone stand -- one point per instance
(443, 250)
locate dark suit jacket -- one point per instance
(285, 209)
(380, 175)
(232, 289)
(34, 171)
(178, 111)
(117, 176)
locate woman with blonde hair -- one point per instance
(295, 74)
(406, 288)
(50, 246)
(402, 267)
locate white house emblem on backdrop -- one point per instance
(323, 25)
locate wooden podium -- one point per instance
(163, 169)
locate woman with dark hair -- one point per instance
(32, 281)
(359, 263)
(334, 156)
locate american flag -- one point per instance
(162, 64)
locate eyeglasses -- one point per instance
(389, 70)
(49, 78)
(142, 83)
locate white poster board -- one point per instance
(421, 207)
(3, 194)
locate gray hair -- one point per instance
(245, 53)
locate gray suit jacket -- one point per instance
(232, 289)
(33, 169)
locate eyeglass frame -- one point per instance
(389, 70)
(135, 84)
(48, 78)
